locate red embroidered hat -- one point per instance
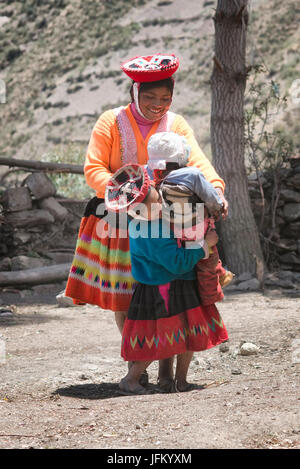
(129, 185)
(148, 68)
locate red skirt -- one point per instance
(167, 320)
(100, 273)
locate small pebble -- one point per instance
(224, 347)
(249, 349)
(236, 371)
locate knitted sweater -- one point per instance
(156, 260)
(106, 149)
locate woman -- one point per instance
(101, 272)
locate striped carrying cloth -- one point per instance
(100, 273)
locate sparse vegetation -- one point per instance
(44, 40)
(69, 185)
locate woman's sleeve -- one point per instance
(197, 157)
(97, 162)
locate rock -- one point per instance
(40, 185)
(281, 283)
(286, 275)
(294, 161)
(64, 301)
(294, 181)
(285, 245)
(55, 208)
(29, 218)
(3, 20)
(22, 237)
(24, 263)
(236, 371)
(252, 178)
(291, 211)
(60, 257)
(296, 276)
(290, 258)
(75, 206)
(47, 289)
(248, 348)
(5, 264)
(294, 267)
(249, 285)
(244, 277)
(285, 173)
(4, 313)
(290, 196)
(291, 230)
(292, 293)
(279, 220)
(17, 199)
(224, 347)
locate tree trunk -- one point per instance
(239, 233)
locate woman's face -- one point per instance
(155, 102)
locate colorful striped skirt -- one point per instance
(100, 273)
(167, 320)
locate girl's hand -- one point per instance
(211, 238)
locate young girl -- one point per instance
(165, 317)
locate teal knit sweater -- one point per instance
(157, 259)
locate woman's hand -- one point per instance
(225, 203)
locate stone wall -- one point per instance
(37, 228)
(283, 248)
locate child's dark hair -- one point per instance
(172, 166)
(168, 83)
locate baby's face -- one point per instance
(152, 205)
(150, 209)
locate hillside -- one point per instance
(60, 61)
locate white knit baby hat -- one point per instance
(167, 147)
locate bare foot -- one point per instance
(166, 385)
(131, 387)
(184, 386)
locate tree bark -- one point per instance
(239, 233)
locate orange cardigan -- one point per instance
(104, 156)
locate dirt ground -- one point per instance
(60, 368)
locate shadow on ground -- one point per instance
(22, 319)
(97, 391)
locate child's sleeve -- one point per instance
(165, 252)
